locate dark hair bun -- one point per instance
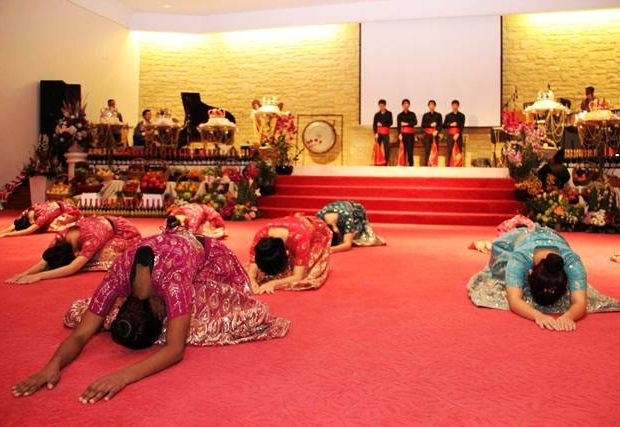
(554, 263)
(172, 222)
(136, 326)
(270, 255)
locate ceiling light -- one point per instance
(166, 6)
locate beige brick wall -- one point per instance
(313, 70)
(570, 50)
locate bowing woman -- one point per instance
(199, 218)
(534, 273)
(168, 289)
(290, 253)
(91, 244)
(51, 216)
(349, 224)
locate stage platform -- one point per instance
(401, 195)
(401, 171)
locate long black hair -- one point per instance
(59, 255)
(270, 255)
(548, 280)
(336, 235)
(136, 325)
(22, 222)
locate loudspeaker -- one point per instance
(52, 93)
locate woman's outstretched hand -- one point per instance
(25, 279)
(104, 388)
(547, 322)
(15, 278)
(267, 288)
(47, 376)
(565, 323)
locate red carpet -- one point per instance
(391, 339)
(400, 200)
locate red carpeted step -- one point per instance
(409, 200)
(400, 204)
(505, 183)
(356, 191)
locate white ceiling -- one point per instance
(208, 16)
(211, 7)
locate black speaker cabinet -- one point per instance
(52, 94)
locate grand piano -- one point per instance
(196, 112)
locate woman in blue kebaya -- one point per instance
(534, 272)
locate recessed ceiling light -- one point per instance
(166, 6)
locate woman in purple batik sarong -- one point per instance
(169, 289)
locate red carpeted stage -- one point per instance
(441, 196)
(391, 339)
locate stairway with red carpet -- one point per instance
(403, 200)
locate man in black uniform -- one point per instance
(406, 122)
(431, 124)
(381, 127)
(454, 124)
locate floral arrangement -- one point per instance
(594, 209)
(555, 210)
(512, 122)
(524, 155)
(529, 187)
(232, 192)
(42, 162)
(603, 210)
(73, 127)
(279, 132)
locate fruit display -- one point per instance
(88, 184)
(186, 190)
(196, 174)
(105, 174)
(59, 190)
(130, 188)
(153, 182)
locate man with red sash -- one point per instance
(431, 124)
(406, 121)
(454, 124)
(381, 127)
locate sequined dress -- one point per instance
(308, 244)
(208, 283)
(102, 239)
(512, 257)
(352, 218)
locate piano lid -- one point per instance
(196, 112)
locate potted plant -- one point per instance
(286, 154)
(41, 166)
